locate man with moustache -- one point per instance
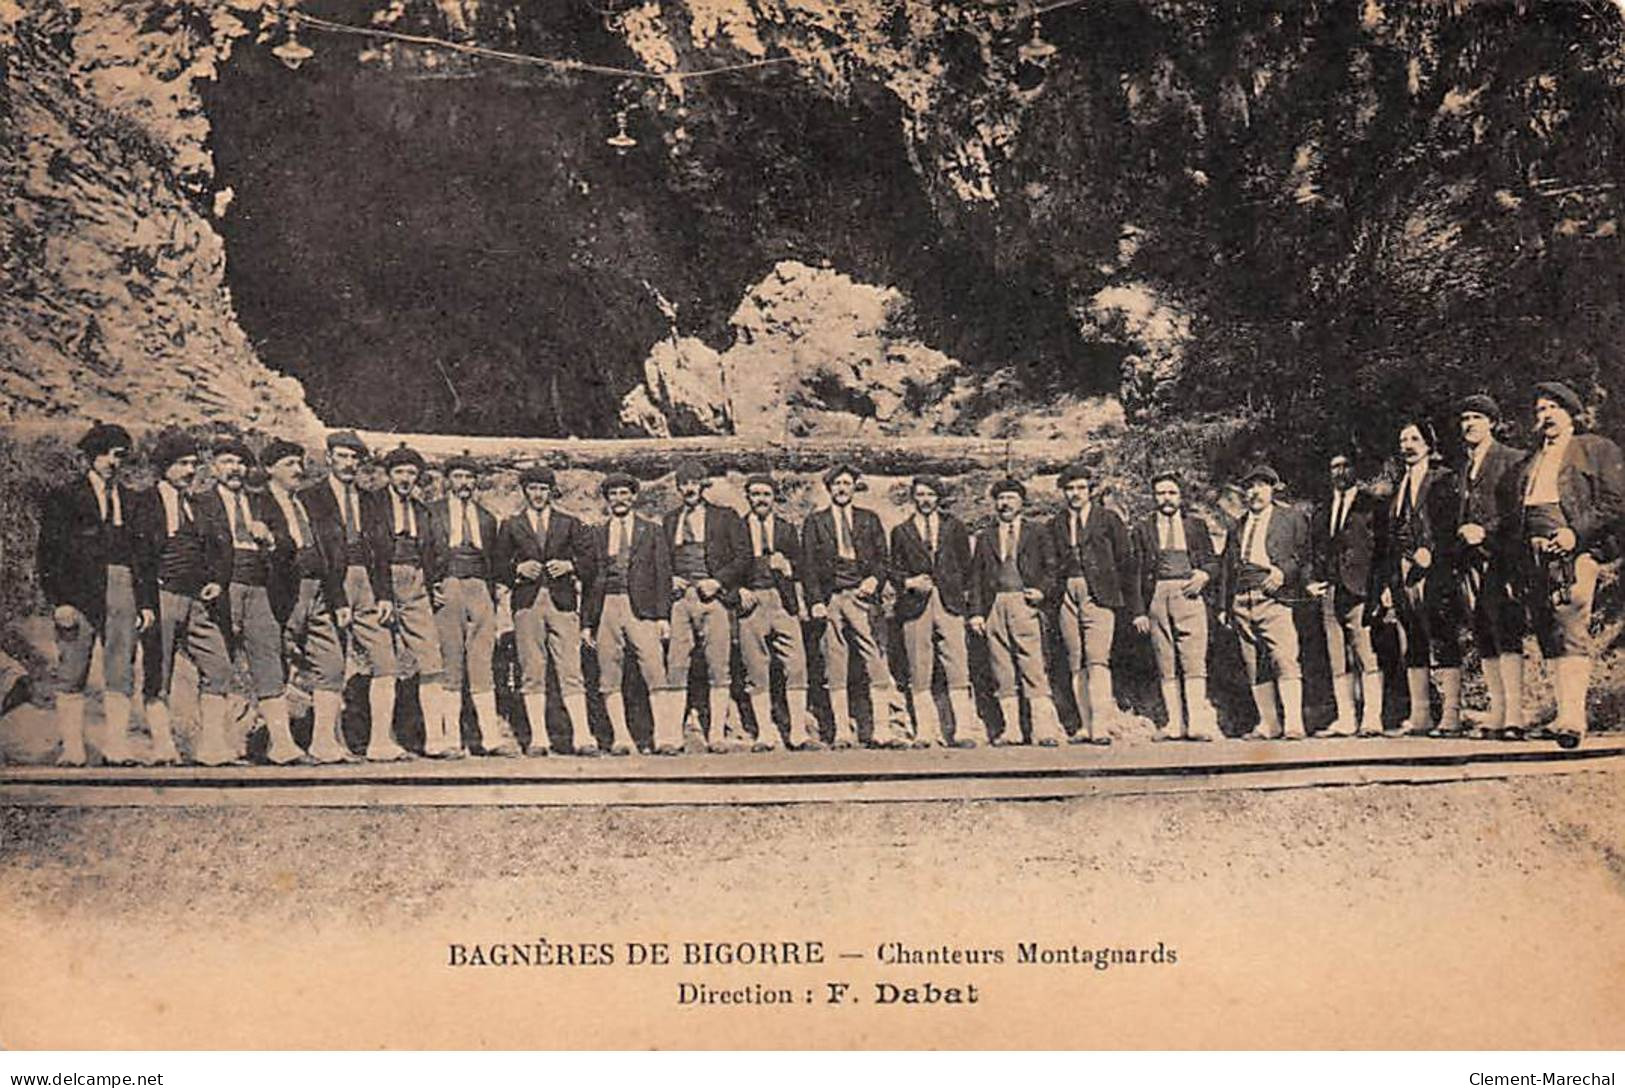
(709, 561)
(1096, 577)
(96, 574)
(770, 616)
(238, 522)
(1416, 571)
(306, 587)
(628, 611)
(192, 571)
(1570, 516)
(1176, 561)
(845, 548)
(1488, 561)
(401, 530)
(1347, 540)
(1013, 579)
(545, 556)
(931, 569)
(463, 581)
(342, 518)
(1261, 572)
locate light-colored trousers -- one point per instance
(1262, 622)
(851, 626)
(936, 635)
(621, 632)
(1086, 627)
(1015, 646)
(702, 624)
(769, 633)
(544, 633)
(75, 644)
(467, 623)
(1178, 631)
(312, 637)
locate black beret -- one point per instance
(618, 479)
(103, 437)
(841, 468)
(280, 449)
(1560, 394)
(1077, 470)
(1008, 484)
(761, 478)
(464, 461)
(537, 474)
(171, 447)
(233, 445)
(1167, 474)
(928, 480)
(692, 471)
(403, 455)
(348, 440)
(1262, 472)
(1481, 403)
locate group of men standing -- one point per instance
(295, 577)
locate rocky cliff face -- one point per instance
(113, 299)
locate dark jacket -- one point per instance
(1344, 561)
(440, 532)
(648, 573)
(282, 582)
(818, 544)
(1591, 492)
(727, 558)
(1198, 543)
(1430, 523)
(72, 554)
(1491, 500)
(153, 530)
(378, 526)
(1286, 542)
(950, 568)
(1104, 556)
(786, 542)
(328, 522)
(1035, 560)
(567, 538)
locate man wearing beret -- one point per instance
(348, 522)
(1262, 569)
(192, 571)
(709, 560)
(401, 532)
(545, 555)
(464, 580)
(845, 566)
(770, 615)
(97, 576)
(1013, 579)
(1415, 568)
(1174, 553)
(1096, 577)
(1487, 562)
(1569, 518)
(306, 587)
(1345, 542)
(628, 610)
(238, 523)
(931, 568)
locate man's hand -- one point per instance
(386, 613)
(679, 586)
(820, 611)
(747, 601)
(528, 570)
(209, 592)
(1316, 589)
(978, 625)
(558, 568)
(1033, 596)
(437, 595)
(589, 639)
(708, 588)
(663, 629)
(1564, 540)
(1471, 535)
(1142, 624)
(66, 616)
(261, 532)
(918, 583)
(343, 616)
(1274, 580)
(1223, 616)
(145, 619)
(1196, 583)
(1422, 557)
(780, 562)
(869, 586)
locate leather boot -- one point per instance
(116, 729)
(1419, 719)
(927, 722)
(325, 746)
(1269, 721)
(582, 742)
(620, 736)
(536, 714)
(1175, 729)
(846, 734)
(1201, 720)
(282, 750)
(967, 723)
(1047, 731)
(767, 730)
(1371, 712)
(494, 738)
(1346, 724)
(1010, 711)
(163, 735)
(381, 746)
(667, 707)
(1512, 690)
(1449, 681)
(1291, 690)
(803, 727)
(70, 725)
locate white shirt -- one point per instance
(100, 486)
(454, 510)
(405, 520)
(539, 521)
(1009, 537)
(1543, 479)
(288, 501)
(338, 493)
(241, 537)
(1475, 460)
(1342, 503)
(843, 531)
(1412, 482)
(174, 502)
(694, 518)
(761, 534)
(1076, 520)
(1171, 533)
(1258, 554)
(926, 526)
(622, 539)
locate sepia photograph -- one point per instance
(813, 525)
